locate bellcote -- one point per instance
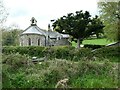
(33, 21)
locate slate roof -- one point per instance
(34, 29)
(65, 35)
(53, 34)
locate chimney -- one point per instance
(49, 29)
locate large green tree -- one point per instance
(96, 26)
(78, 25)
(110, 14)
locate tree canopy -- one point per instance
(10, 37)
(78, 25)
(110, 14)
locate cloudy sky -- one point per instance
(21, 11)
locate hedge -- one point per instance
(30, 50)
(64, 52)
(108, 52)
(60, 52)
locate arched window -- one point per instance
(29, 41)
(21, 42)
(38, 42)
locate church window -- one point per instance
(29, 41)
(38, 42)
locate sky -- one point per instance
(21, 11)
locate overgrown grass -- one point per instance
(84, 73)
(83, 68)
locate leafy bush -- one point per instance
(65, 52)
(61, 52)
(30, 50)
(16, 60)
(108, 52)
(77, 54)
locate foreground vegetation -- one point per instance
(83, 69)
(64, 52)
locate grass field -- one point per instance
(102, 41)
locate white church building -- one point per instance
(35, 36)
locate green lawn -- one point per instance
(102, 41)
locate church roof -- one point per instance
(34, 29)
(65, 35)
(53, 34)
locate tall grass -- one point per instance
(81, 74)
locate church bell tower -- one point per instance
(33, 21)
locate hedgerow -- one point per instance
(30, 50)
(108, 52)
(64, 52)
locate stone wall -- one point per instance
(62, 41)
(24, 40)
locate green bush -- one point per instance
(16, 60)
(65, 52)
(78, 54)
(30, 50)
(50, 52)
(108, 52)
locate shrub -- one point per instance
(30, 50)
(78, 54)
(107, 52)
(16, 60)
(51, 78)
(65, 52)
(50, 52)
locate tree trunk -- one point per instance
(78, 43)
(97, 34)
